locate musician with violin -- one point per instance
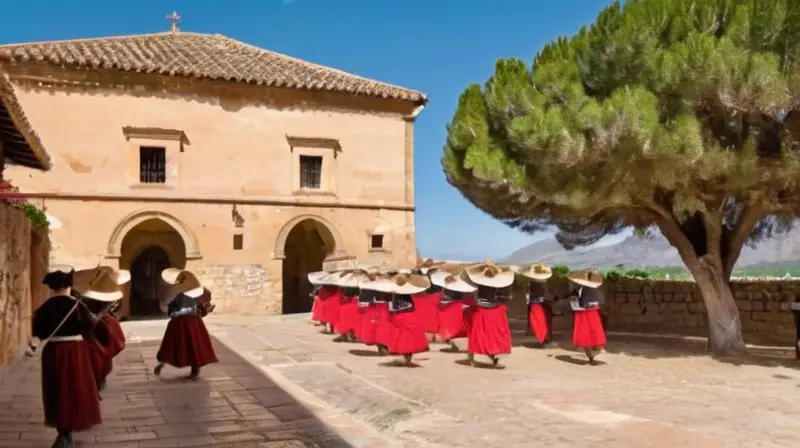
(108, 338)
(69, 392)
(186, 342)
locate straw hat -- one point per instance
(410, 284)
(350, 280)
(182, 282)
(428, 264)
(586, 277)
(62, 268)
(490, 275)
(382, 284)
(451, 282)
(83, 278)
(537, 272)
(103, 287)
(316, 278)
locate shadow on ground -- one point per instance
(232, 402)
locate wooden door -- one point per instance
(147, 287)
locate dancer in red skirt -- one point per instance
(108, 339)
(186, 342)
(348, 320)
(457, 295)
(330, 295)
(588, 332)
(317, 308)
(408, 331)
(69, 392)
(540, 311)
(489, 333)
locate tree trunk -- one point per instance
(724, 325)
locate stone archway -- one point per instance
(146, 242)
(306, 244)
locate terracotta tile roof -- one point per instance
(204, 56)
(21, 144)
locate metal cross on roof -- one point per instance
(175, 18)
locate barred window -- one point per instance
(152, 165)
(311, 172)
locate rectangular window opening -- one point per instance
(376, 242)
(152, 165)
(311, 172)
(238, 241)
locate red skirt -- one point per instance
(588, 329)
(427, 307)
(408, 334)
(348, 315)
(116, 336)
(186, 343)
(69, 390)
(537, 317)
(368, 324)
(100, 359)
(452, 320)
(331, 310)
(383, 330)
(318, 310)
(489, 331)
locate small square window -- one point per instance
(311, 172)
(376, 242)
(238, 241)
(152, 165)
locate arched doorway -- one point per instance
(147, 249)
(307, 245)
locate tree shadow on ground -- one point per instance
(658, 348)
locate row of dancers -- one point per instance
(79, 335)
(400, 312)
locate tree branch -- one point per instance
(752, 212)
(671, 230)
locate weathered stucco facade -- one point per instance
(231, 207)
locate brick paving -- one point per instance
(233, 404)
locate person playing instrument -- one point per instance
(108, 338)
(540, 310)
(186, 342)
(69, 391)
(588, 332)
(457, 295)
(490, 333)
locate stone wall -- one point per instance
(22, 255)
(242, 289)
(676, 307)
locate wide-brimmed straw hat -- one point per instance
(428, 264)
(62, 268)
(489, 275)
(82, 279)
(316, 278)
(451, 282)
(103, 287)
(182, 282)
(589, 278)
(381, 283)
(408, 284)
(350, 280)
(537, 272)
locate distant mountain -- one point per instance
(654, 251)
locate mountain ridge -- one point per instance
(653, 251)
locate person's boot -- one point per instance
(495, 361)
(471, 359)
(158, 369)
(453, 346)
(194, 373)
(383, 350)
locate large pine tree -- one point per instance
(678, 114)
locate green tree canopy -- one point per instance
(679, 114)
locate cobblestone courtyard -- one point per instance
(639, 397)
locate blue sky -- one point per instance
(436, 46)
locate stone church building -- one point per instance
(248, 167)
